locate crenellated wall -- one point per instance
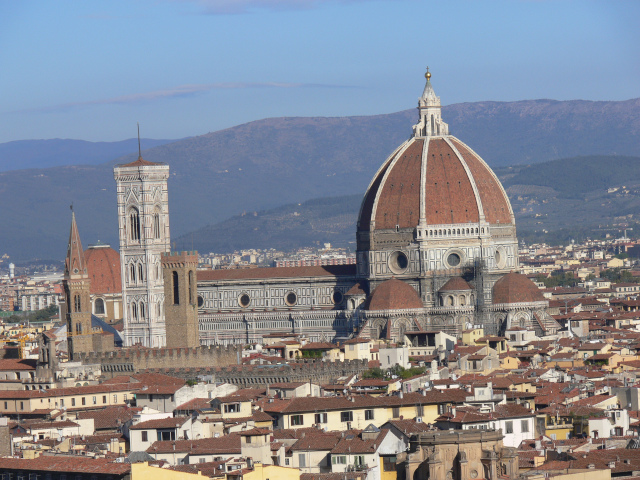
(133, 360)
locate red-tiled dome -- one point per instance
(516, 288)
(455, 284)
(103, 265)
(444, 181)
(394, 294)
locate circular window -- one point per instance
(337, 297)
(398, 262)
(244, 300)
(200, 301)
(453, 259)
(291, 299)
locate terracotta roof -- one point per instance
(171, 422)
(394, 294)
(516, 288)
(109, 418)
(455, 283)
(227, 444)
(70, 464)
(394, 195)
(277, 272)
(15, 364)
(103, 265)
(356, 290)
(140, 162)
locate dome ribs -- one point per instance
(495, 205)
(449, 196)
(399, 199)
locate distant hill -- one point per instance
(570, 197)
(23, 154)
(279, 161)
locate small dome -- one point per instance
(103, 266)
(455, 284)
(394, 294)
(516, 288)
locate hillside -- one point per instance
(23, 154)
(268, 163)
(569, 197)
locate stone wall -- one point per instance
(133, 360)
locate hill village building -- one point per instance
(436, 250)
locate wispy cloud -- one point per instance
(179, 91)
(221, 7)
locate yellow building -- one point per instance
(263, 472)
(470, 337)
(358, 349)
(143, 471)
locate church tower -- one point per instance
(181, 294)
(76, 285)
(143, 223)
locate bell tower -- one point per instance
(76, 285)
(143, 224)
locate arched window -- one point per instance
(158, 272)
(142, 312)
(78, 328)
(99, 306)
(140, 273)
(159, 309)
(134, 224)
(132, 276)
(176, 291)
(191, 287)
(134, 311)
(156, 223)
(76, 303)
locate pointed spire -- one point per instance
(430, 123)
(74, 263)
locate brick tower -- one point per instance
(181, 299)
(76, 285)
(143, 220)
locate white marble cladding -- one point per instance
(238, 328)
(274, 294)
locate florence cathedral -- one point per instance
(436, 250)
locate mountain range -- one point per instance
(268, 163)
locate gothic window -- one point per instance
(134, 311)
(159, 309)
(140, 273)
(76, 303)
(142, 315)
(99, 306)
(156, 223)
(191, 301)
(78, 328)
(176, 291)
(132, 276)
(134, 224)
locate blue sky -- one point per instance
(92, 69)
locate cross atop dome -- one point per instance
(430, 123)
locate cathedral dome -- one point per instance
(516, 288)
(394, 294)
(103, 265)
(433, 179)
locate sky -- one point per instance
(92, 69)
